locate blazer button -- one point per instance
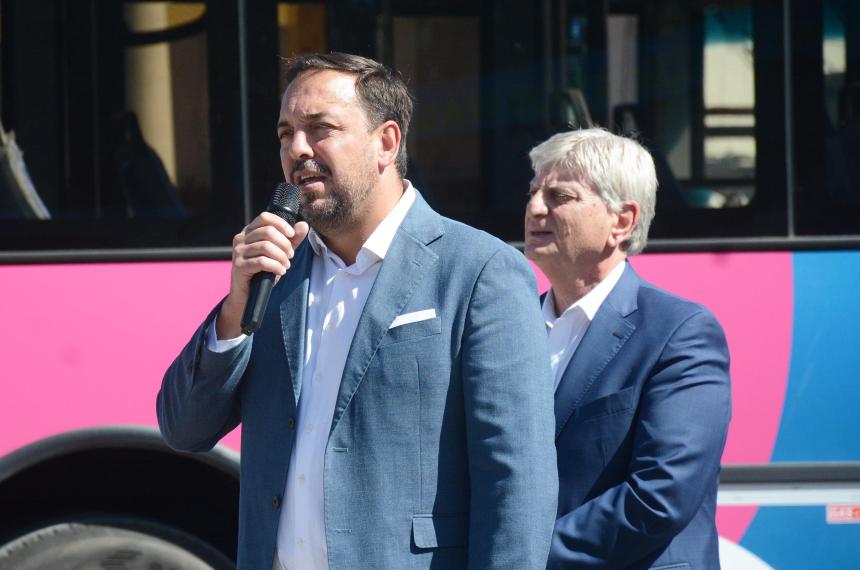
(276, 501)
(291, 423)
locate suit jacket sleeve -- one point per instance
(679, 435)
(507, 388)
(197, 403)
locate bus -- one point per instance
(137, 137)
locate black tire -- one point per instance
(85, 546)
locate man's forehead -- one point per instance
(324, 86)
(320, 95)
(552, 175)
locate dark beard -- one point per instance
(326, 215)
(344, 204)
(341, 209)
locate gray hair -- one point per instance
(617, 168)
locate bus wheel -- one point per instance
(97, 546)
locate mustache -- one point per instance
(310, 164)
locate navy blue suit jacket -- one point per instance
(642, 412)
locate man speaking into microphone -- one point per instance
(396, 401)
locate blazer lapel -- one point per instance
(406, 264)
(293, 306)
(607, 333)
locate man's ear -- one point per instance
(389, 147)
(625, 223)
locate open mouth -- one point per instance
(539, 236)
(309, 171)
(308, 178)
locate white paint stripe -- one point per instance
(787, 494)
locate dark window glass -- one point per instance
(115, 130)
(827, 117)
(301, 29)
(700, 85)
(441, 57)
(134, 128)
(477, 71)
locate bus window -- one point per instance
(700, 84)
(111, 110)
(162, 136)
(688, 80)
(440, 56)
(478, 75)
(828, 115)
(728, 112)
(301, 29)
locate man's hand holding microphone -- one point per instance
(261, 255)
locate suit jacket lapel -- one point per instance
(294, 310)
(607, 333)
(407, 262)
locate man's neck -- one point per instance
(346, 241)
(566, 290)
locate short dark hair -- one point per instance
(381, 90)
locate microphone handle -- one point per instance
(258, 299)
(284, 203)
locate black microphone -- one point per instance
(285, 204)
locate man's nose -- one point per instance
(536, 206)
(299, 146)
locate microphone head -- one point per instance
(285, 202)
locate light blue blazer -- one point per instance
(440, 453)
(641, 413)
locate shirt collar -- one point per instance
(377, 245)
(590, 303)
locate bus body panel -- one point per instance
(87, 344)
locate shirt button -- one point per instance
(317, 377)
(276, 502)
(301, 479)
(291, 423)
(299, 541)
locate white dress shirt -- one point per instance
(336, 299)
(565, 332)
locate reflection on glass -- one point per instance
(165, 127)
(834, 59)
(301, 29)
(143, 179)
(111, 108)
(729, 100)
(681, 77)
(18, 196)
(623, 29)
(148, 84)
(440, 59)
(842, 103)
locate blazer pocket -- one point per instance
(440, 531)
(605, 406)
(413, 331)
(677, 566)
